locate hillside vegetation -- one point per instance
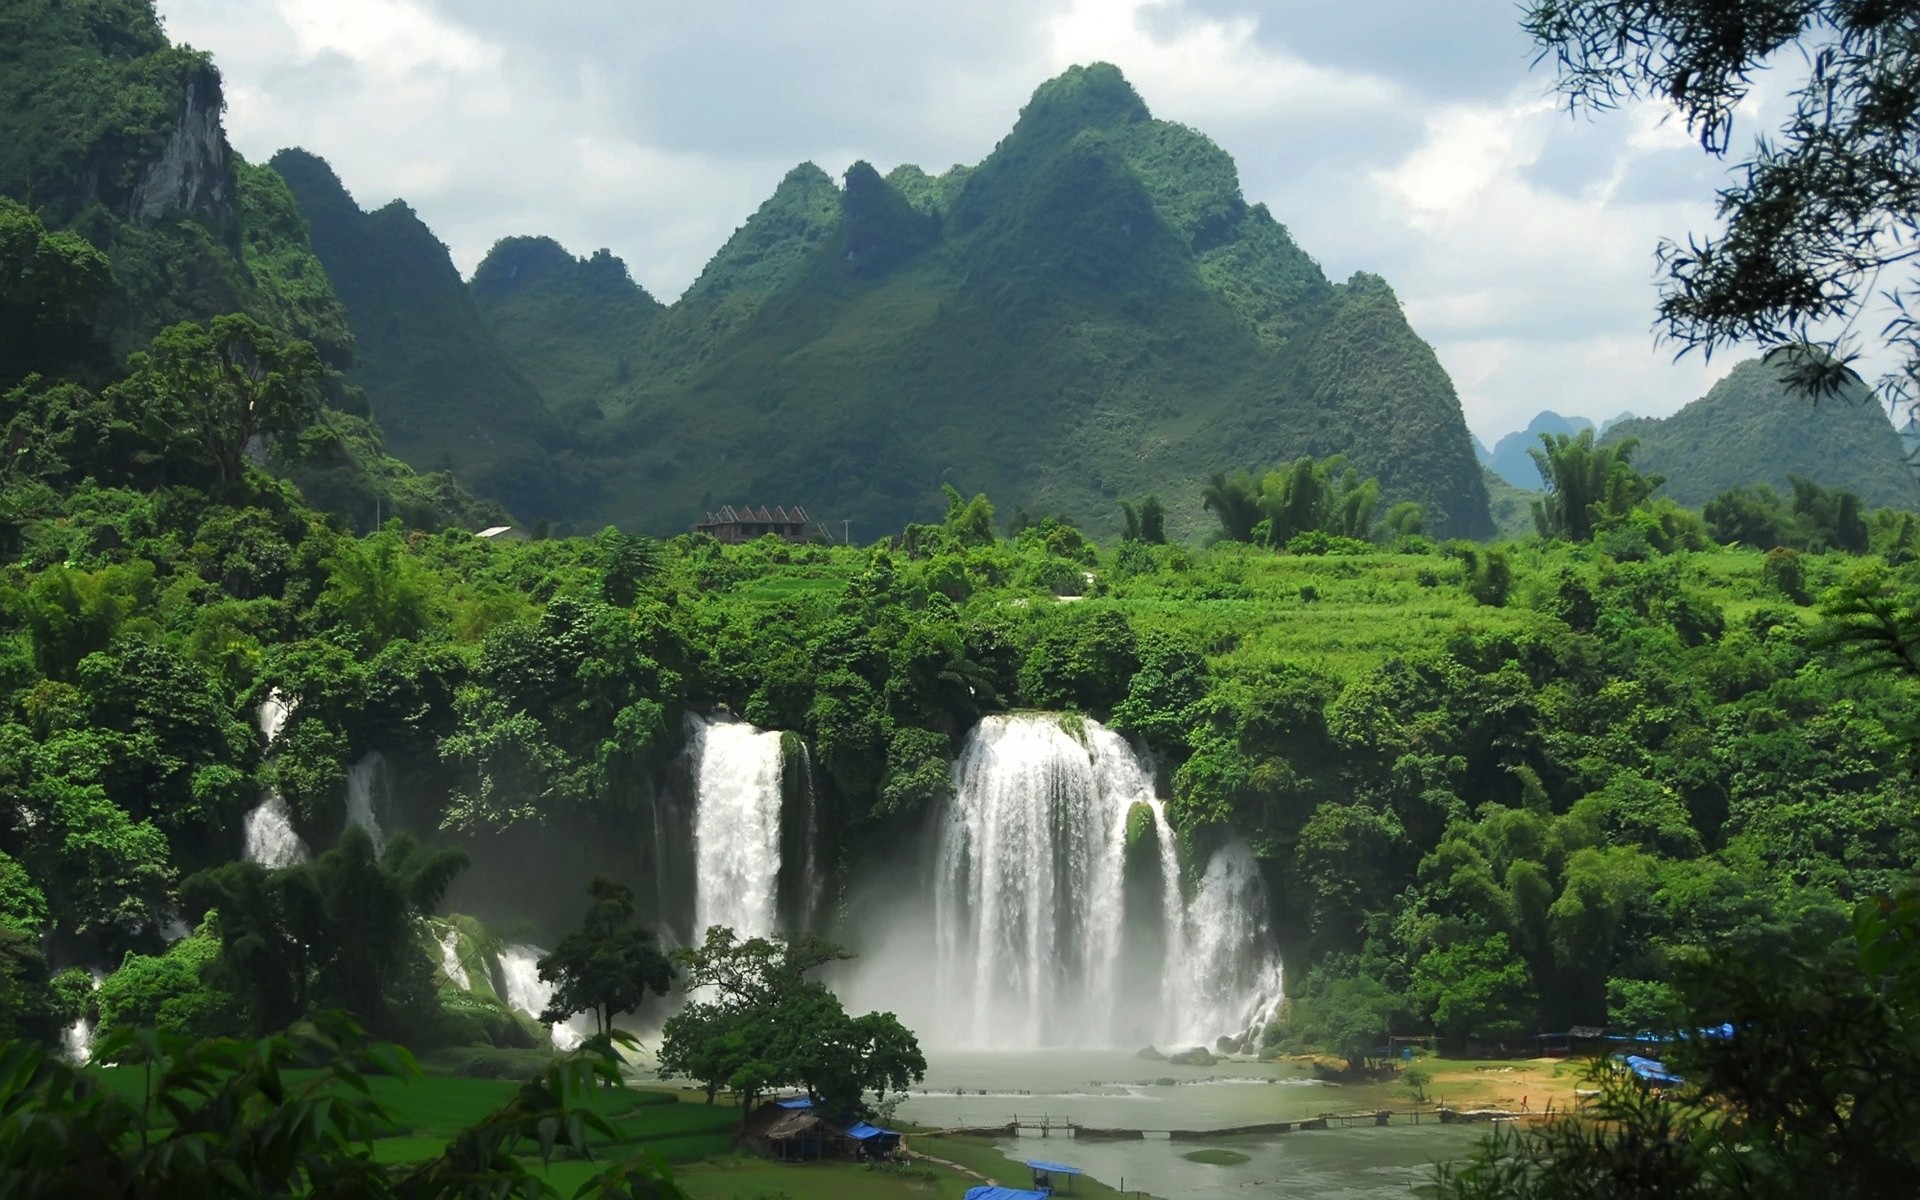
(1751, 429)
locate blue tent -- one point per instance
(864, 1132)
(1650, 1069)
(1051, 1168)
(795, 1102)
(1003, 1193)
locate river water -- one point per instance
(1114, 1089)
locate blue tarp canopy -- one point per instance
(1004, 1193)
(864, 1132)
(1650, 1069)
(795, 1102)
(1052, 1168)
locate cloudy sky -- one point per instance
(1406, 137)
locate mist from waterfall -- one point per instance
(736, 826)
(1223, 980)
(1046, 928)
(364, 778)
(523, 989)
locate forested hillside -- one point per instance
(444, 393)
(1751, 429)
(122, 211)
(1091, 313)
(1488, 790)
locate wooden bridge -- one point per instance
(1060, 1125)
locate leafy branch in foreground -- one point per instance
(1824, 216)
(227, 1117)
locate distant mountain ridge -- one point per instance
(1509, 458)
(1090, 313)
(1751, 428)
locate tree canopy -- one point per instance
(608, 965)
(769, 1026)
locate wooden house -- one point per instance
(735, 525)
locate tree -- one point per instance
(770, 1026)
(1235, 502)
(338, 932)
(969, 522)
(1587, 485)
(609, 965)
(1802, 1085)
(1153, 520)
(1822, 218)
(51, 284)
(205, 395)
(374, 586)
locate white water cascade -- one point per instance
(450, 965)
(524, 990)
(364, 778)
(1032, 940)
(1219, 981)
(272, 714)
(76, 1040)
(736, 826)
(270, 839)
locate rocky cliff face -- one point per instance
(193, 174)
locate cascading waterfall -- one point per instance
(363, 778)
(1221, 983)
(736, 826)
(450, 964)
(270, 839)
(523, 989)
(1031, 941)
(272, 714)
(76, 1040)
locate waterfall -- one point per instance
(1032, 943)
(272, 714)
(1029, 899)
(76, 1040)
(1226, 985)
(270, 837)
(450, 965)
(736, 826)
(362, 778)
(524, 990)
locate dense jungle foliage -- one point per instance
(1493, 788)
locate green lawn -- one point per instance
(695, 1138)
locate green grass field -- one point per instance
(696, 1139)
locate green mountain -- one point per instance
(576, 326)
(1509, 458)
(112, 133)
(1091, 313)
(1751, 428)
(443, 390)
(112, 152)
